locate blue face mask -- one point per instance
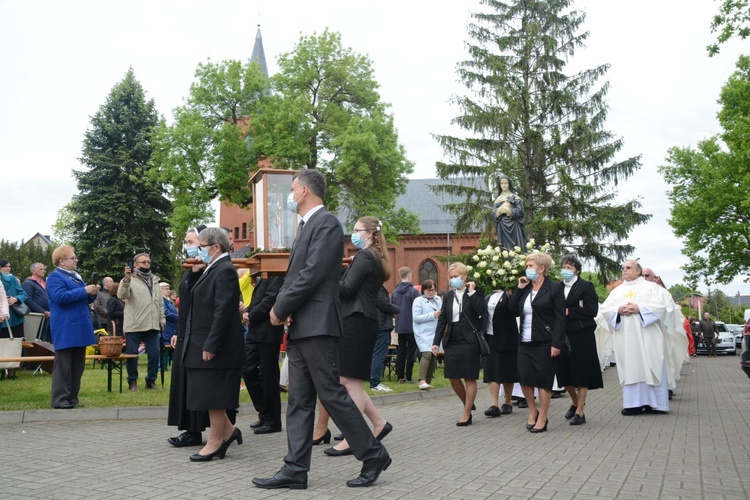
(203, 255)
(290, 203)
(191, 251)
(531, 274)
(357, 241)
(457, 282)
(567, 274)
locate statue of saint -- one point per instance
(508, 213)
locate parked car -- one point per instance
(725, 342)
(745, 356)
(737, 331)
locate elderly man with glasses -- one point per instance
(648, 340)
(143, 317)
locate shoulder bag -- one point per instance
(11, 348)
(20, 308)
(484, 347)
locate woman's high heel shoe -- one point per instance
(534, 430)
(325, 438)
(221, 453)
(464, 424)
(236, 436)
(531, 426)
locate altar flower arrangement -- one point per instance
(498, 268)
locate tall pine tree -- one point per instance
(119, 209)
(543, 128)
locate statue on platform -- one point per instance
(508, 214)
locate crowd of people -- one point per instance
(224, 330)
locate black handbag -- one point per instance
(20, 308)
(484, 347)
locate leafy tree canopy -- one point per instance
(526, 118)
(709, 195)
(733, 19)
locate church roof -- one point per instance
(421, 200)
(259, 55)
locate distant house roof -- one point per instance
(41, 240)
(421, 200)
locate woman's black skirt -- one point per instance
(357, 344)
(536, 367)
(213, 389)
(461, 357)
(580, 367)
(501, 366)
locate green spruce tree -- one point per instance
(526, 118)
(119, 210)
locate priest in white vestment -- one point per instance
(648, 341)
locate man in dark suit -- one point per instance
(262, 347)
(309, 304)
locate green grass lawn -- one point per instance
(32, 392)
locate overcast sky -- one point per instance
(59, 61)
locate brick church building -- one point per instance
(428, 254)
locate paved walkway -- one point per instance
(700, 450)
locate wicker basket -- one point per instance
(110, 346)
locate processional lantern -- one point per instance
(275, 224)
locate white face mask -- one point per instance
(290, 203)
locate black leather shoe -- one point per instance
(493, 411)
(632, 411)
(387, 428)
(571, 411)
(371, 471)
(465, 423)
(339, 437)
(267, 429)
(256, 424)
(333, 452)
(578, 420)
(522, 403)
(133, 385)
(150, 384)
(66, 406)
(325, 438)
(648, 409)
(236, 436)
(186, 439)
(221, 452)
(506, 409)
(531, 426)
(281, 480)
(534, 430)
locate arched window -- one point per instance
(428, 271)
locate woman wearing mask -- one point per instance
(15, 295)
(72, 331)
(425, 312)
(579, 370)
(501, 366)
(460, 319)
(359, 288)
(541, 305)
(214, 352)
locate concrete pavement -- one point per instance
(700, 450)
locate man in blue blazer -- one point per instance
(308, 304)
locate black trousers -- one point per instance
(406, 353)
(261, 376)
(67, 371)
(314, 370)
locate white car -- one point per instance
(725, 343)
(737, 331)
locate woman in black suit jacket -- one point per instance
(501, 366)
(541, 307)
(580, 367)
(461, 315)
(214, 345)
(358, 289)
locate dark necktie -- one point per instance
(299, 230)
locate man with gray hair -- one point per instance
(143, 317)
(100, 303)
(35, 287)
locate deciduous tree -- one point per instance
(733, 19)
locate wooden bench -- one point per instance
(113, 363)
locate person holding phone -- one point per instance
(541, 305)
(461, 315)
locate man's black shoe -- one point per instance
(281, 480)
(493, 411)
(66, 406)
(186, 439)
(506, 409)
(371, 471)
(522, 403)
(632, 411)
(256, 424)
(267, 429)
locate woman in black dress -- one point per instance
(501, 366)
(541, 305)
(460, 318)
(579, 370)
(358, 288)
(214, 344)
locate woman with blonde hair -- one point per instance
(458, 325)
(540, 303)
(358, 289)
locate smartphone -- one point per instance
(94, 277)
(130, 264)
